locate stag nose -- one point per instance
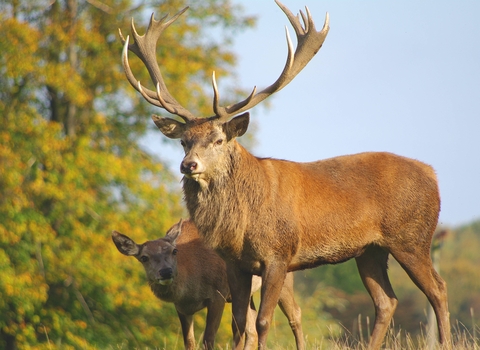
(188, 167)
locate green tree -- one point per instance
(459, 262)
(71, 170)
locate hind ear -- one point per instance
(174, 232)
(124, 244)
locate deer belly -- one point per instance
(316, 256)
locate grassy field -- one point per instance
(399, 340)
(463, 339)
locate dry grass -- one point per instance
(463, 337)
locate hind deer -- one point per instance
(181, 270)
(268, 217)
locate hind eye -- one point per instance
(182, 143)
(144, 259)
(175, 251)
(218, 142)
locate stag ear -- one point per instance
(174, 232)
(237, 126)
(169, 127)
(125, 245)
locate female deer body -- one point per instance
(182, 270)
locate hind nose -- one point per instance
(166, 273)
(188, 167)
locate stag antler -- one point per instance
(145, 48)
(309, 42)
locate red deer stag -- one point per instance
(268, 217)
(182, 270)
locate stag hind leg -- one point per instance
(251, 337)
(372, 266)
(418, 265)
(291, 309)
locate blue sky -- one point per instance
(401, 76)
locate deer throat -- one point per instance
(219, 217)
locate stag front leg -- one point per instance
(240, 284)
(273, 278)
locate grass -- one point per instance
(396, 339)
(464, 337)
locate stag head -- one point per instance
(207, 141)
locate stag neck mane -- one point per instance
(222, 209)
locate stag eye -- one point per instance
(144, 259)
(182, 143)
(175, 251)
(218, 142)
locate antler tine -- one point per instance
(309, 41)
(130, 77)
(129, 74)
(144, 46)
(219, 111)
(307, 20)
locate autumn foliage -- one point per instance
(72, 171)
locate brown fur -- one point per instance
(198, 280)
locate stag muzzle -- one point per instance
(187, 168)
(192, 168)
